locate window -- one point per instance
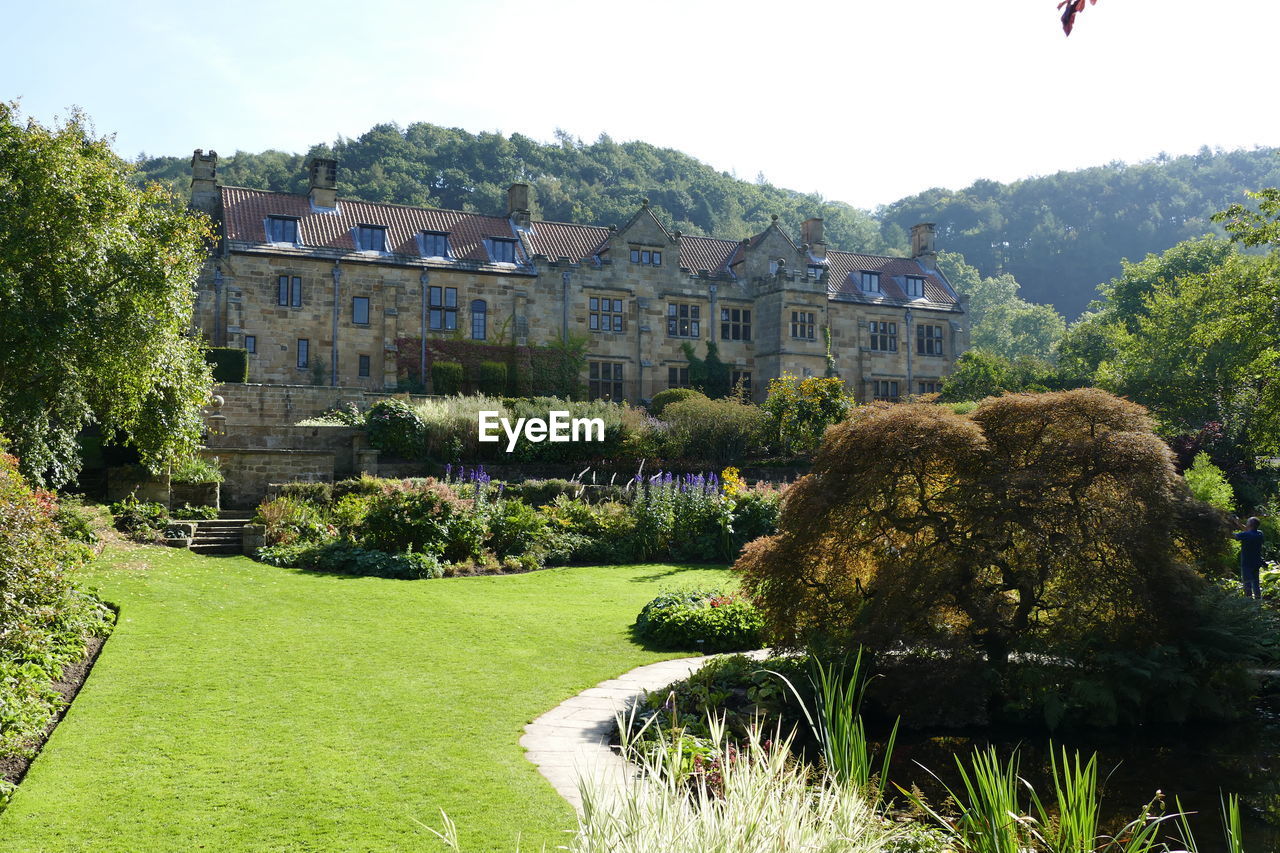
(802, 325)
(605, 315)
(817, 270)
(360, 310)
(741, 379)
(364, 366)
(479, 319)
(870, 282)
(677, 377)
(884, 336)
(304, 353)
(929, 387)
(735, 324)
(282, 229)
(683, 320)
(251, 344)
(605, 380)
(502, 251)
(885, 390)
(915, 287)
(443, 302)
(646, 256)
(929, 340)
(371, 238)
(289, 291)
(435, 244)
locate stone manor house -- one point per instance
(318, 288)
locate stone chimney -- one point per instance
(204, 181)
(518, 205)
(324, 183)
(922, 248)
(811, 234)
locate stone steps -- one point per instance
(222, 535)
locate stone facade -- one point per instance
(320, 289)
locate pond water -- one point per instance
(1196, 764)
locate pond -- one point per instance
(1196, 764)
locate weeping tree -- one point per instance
(1037, 523)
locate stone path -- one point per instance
(571, 742)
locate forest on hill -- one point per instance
(1059, 236)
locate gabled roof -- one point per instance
(844, 280)
(244, 211)
(705, 253)
(558, 240)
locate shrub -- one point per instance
(1209, 484)
(288, 520)
(196, 469)
(491, 378)
(700, 620)
(76, 522)
(516, 529)
(394, 426)
(187, 512)
(316, 494)
(140, 519)
(429, 518)
(542, 492)
(348, 559)
(672, 395)
(446, 378)
(718, 431)
(362, 485)
(44, 619)
(230, 364)
(802, 409)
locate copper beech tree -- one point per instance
(1034, 523)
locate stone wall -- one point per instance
(248, 471)
(273, 406)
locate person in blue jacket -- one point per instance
(1250, 557)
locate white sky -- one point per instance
(864, 101)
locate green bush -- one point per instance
(1209, 484)
(44, 619)
(187, 512)
(718, 431)
(230, 364)
(345, 558)
(516, 529)
(429, 518)
(196, 470)
(316, 494)
(700, 620)
(76, 522)
(362, 485)
(395, 427)
(491, 378)
(665, 398)
(542, 492)
(446, 378)
(139, 519)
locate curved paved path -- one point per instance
(571, 742)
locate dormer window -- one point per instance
(647, 257)
(435, 244)
(282, 229)
(502, 250)
(870, 282)
(371, 238)
(915, 287)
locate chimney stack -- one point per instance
(922, 248)
(811, 234)
(204, 181)
(518, 205)
(324, 183)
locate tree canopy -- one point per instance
(1043, 523)
(97, 279)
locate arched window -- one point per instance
(479, 319)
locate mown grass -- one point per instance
(239, 706)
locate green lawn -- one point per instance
(239, 706)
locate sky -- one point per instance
(860, 101)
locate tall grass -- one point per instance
(753, 799)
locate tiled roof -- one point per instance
(244, 210)
(844, 279)
(705, 253)
(565, 240)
